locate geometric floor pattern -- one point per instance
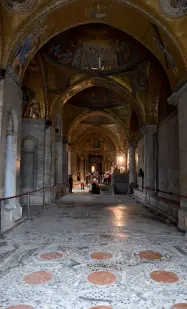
(85, 253)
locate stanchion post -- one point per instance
(54, 192)
(28, 206)
(59, 192)
(146, 196)
(44, 198)
(0, 216)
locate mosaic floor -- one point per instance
(93, 253)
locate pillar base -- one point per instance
(10, 217)
(182, 220)
(9, 205)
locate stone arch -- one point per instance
(89, 114)
(64, 8)
(106, 131)
(96, 81)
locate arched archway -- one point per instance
(96, 81)
(147, 28)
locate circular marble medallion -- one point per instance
(101, 256)
(51, 256)
(102, 278)
(179, 306)
(101, 307)
(150, 255)
(20, 307)
(38, 277)
(164, 276)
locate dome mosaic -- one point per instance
(95, 48)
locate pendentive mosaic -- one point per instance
(20, 6)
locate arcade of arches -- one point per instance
(94, 86)
(95, 89)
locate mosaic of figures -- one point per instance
(106, 56)
(31, 106)
(174, 8)
(169, 60)
(26, 50)
(97, 10)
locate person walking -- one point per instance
(70, 183)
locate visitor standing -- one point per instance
(70, 183)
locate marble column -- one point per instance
(132, 162)
(150, 156)
(82, 169)
(179, 99)
(9, 204)
(65, 166)
(10, 104)
(48, 156)
(59, 160)
(69, 162)
(126, 159)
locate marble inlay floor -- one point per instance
(104, 252)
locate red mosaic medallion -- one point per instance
(150, 255)
(101, 256)
(20, 307)
(179, 306)
(38, 277)
(164, 276)
(51, 256)
(101, 307)
(102, 278)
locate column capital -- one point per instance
(149, 129)
(133, 143)
(173, 99)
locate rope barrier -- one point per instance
(160, 191)
(26, 193)
(29, 193)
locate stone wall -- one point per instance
(43, 171)
(168, 154)
(168, 170)
(10, 103)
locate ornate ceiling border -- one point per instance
(171, 11)
(21, 8)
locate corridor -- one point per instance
(105, 252)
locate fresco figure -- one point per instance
(33, 110)
(63, 57)
(98, 11)
(170, 62)
(29, 46)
